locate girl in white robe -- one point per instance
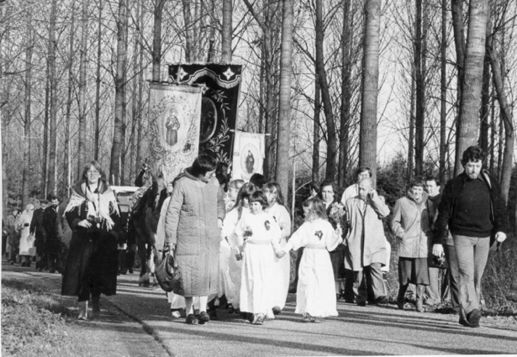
(282, 266)
(26, 247)
(255, 233)
(316, 292)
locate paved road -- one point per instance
(367, 330)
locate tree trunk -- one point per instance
(120, 93)
(157, 40)
(98, 84)
(507, 118)
(346, 92)
(226, 41)
(411, 139)
(27, 115)
(443, 94)
(331, 162)
(492, 131)
(187, 19)
(459, 41)
(134, 93)
(282, 158)
(420, 91)
(44, 174)
(471, 87)
(81, 147)
(67, 168)
(52, 157)
(370, 77)
(485, 104)
(316, 135)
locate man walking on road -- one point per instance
(473, 210)
(366, 242)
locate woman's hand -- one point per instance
(84, 223)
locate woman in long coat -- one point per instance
(192, 231)
(26, 246)
(91, 266)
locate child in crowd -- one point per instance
(231, 268)
(282, 266)
(255, 233)
(316, 293)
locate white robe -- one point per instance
(257, 266)
(281, 266)
(316, 292)
(27, 239)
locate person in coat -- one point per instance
(12, 236)
(192, 233)
(26, 245)
(38, 230)
(412, 223)
(54, 233)
(366, 241)
(91, 265)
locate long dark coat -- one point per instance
(92, 259)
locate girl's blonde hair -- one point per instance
(316, 207)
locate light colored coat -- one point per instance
(191, 225)
(412, 224)
(365, 239)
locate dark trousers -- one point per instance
(369, 278)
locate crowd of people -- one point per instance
(234, 246)
(35, 235)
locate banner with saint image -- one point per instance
(174, 118)
(248, 155)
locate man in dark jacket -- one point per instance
(474, 211)
(37, 228)
(53, 227)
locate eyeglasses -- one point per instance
(93, 172)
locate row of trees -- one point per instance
(320, 79)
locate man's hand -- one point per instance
(500, 237)
(438, 250)
(219, 223)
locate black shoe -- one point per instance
(191, 320)
(203, 318)
(277, 310)
(361, 303)
(230, 308)
(473, 317)
(381, 300)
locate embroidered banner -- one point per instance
(220, 86)
(174, 113)
(248, 155)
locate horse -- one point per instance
(143, 223)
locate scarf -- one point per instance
(98, 204)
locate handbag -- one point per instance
(168, 274)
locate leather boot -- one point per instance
(96, 305)
(401, 296)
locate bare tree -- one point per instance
(370, 77)
(472, 81)
(81, 103)
(120, 94)
(157, 39)
(226, 42)
(282, 159)
(52, 158)
(443, 93)
(98, 83)
(27, 115)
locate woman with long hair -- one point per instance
(91, 266)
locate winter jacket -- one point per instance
(412, 224)
(191, 225)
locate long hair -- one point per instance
(275, 187)
(245, 192)
(95, 164)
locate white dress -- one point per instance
(281, 266)
(257, 263)
(26, 238)
(230, 267)
(316, 291)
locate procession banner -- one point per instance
(248, 155)
(174, 114)
(220, 85)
